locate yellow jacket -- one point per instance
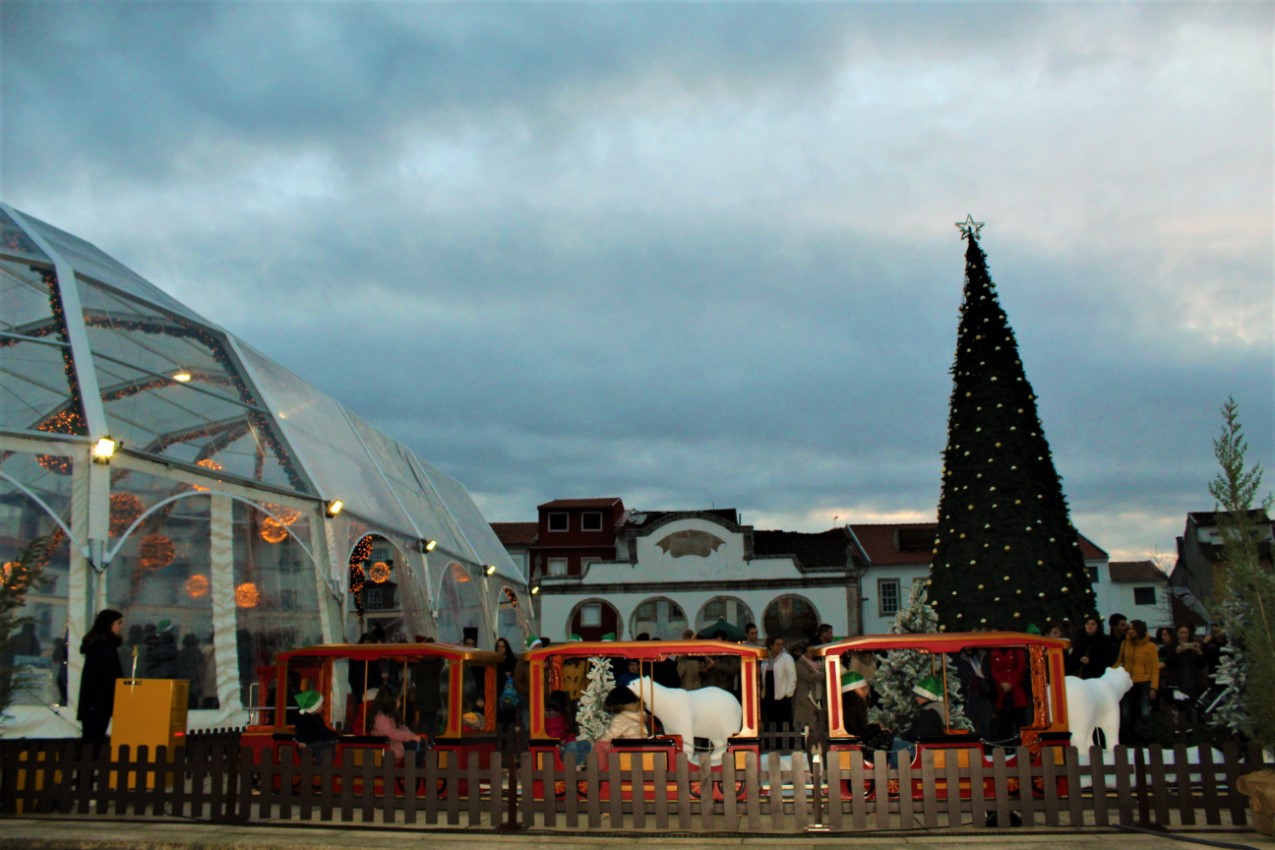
(1141, 659)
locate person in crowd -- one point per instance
(313, 732)
(664, 671)
(507, 678)
(26, 642)
(689, 667)
(823, 634)
(1008, 667)
(429, 690)
(779, 683)
(750, 634)
(508, 658)
(855, 691)
(1117, 629)
(929, 722)
(559, 723)
(809, 709)
(1056, 630)
(102, 668)
(387, 720)
(1213, 643)
(161, 651)
(1185, 667)
(720, 671)
(59, 659)
(1090, 651)
(977, 687)
(209, 672)
(1138, 656)
(1165, 644)
(189, 665)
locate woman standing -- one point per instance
(1138, 655)
(1090, 652)
(102, 667)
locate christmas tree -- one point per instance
(592, 717)
(903, 668)
(1006, 554)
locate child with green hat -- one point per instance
(312, 731)
(929, 722)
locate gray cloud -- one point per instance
(691, 254)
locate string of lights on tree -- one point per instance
(1006, 554)
(361, 552)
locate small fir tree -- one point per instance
(592, 717)
(1247, 607)
(902, 669)
(16, 578)
(1006, 554)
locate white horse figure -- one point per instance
(1095, 704)
(710, 713)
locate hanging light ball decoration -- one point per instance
(125, 509)
(283, 515)
(273, 531)
(209, 464)
(156, 551)
(379, 572)
(197, 586)
(247, 595)
(9, 568)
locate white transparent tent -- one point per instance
(209, 527)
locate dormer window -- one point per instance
(591, 521)
(558, 521)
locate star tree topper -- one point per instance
(970, 227)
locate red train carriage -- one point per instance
(1047, 726)
(546, 674)
(467, 695)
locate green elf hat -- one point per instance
(575, 638)
(609, 636)
(1033, 629)
(533, 641)
(931, 687)
(309, 701)
(851, 680)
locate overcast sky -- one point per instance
(692, 255)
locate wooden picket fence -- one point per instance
(212, 779)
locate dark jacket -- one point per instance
(1096, 648)
(854, 713)
(311, 729)
(928, 723)
(97, 681)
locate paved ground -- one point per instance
(85, 834)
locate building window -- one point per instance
(790, 617)
(557, 566)
(375, 598)
(1092, 572)
(659, 617)
(591, 521)
(558, 522)
(887, 597)
(1144, 596)
(591, 615)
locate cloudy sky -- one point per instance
(692, 255)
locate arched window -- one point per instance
(593, 618)
(791, 617)
(660, 617)
(731, 609)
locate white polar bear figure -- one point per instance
(710, 713)
(1095, 704)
